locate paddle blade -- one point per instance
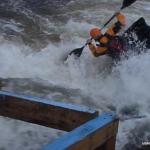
(77, 52)
(127, 3)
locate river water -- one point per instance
(35, 37)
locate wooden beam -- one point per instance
(44, 112)
(99, 133)
(108, 145)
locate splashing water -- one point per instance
(33, 43)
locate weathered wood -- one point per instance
(44, 112)
(97, 134)
(108, 145)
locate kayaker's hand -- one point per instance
(89, 41)
(121, 18)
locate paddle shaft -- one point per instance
(110, 19)
(125, 4)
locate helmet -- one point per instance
(95, 32)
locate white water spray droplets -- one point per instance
(124, 88)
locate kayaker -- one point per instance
(109, 43)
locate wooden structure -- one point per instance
(88, 130)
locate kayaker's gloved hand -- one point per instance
(89, 41)
(121, 18)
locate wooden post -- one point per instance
(108, 145)
(96, 134)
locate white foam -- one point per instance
(126, 84)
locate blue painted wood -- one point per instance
(81, 108)
(81, 132)
(62, 116)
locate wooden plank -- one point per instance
(89, 136)
(44, 112)
(108, 145)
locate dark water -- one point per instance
(29, 17)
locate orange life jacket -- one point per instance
(103, 42)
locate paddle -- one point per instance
(77, 52)
(125, 4)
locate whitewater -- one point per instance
(36, 36)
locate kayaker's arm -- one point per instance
(97, 51)
(121, 21)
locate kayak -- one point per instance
(138, 33)
(141, 30)
(135, 39)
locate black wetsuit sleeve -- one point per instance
(117, 27)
